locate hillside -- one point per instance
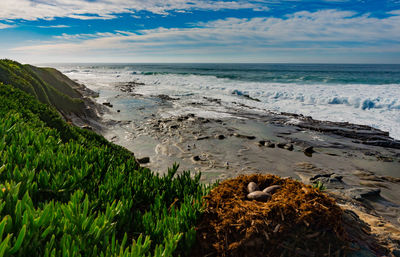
(65, 191)
(47, 85)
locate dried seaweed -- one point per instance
(298, 220)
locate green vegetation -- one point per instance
(65, 191)
(47, 85)
(319, 185)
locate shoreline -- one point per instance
(357, 164)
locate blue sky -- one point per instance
(324, 31)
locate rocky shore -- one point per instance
(358, 165)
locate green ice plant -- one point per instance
(319, 185)
(68, 192)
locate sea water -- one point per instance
(361, 94)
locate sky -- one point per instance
(138, 31)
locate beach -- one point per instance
(358, 164)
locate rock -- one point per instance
(166, 97)
(202, 137)
(359, 133)
(327, 178)
(328, 175)
(196, 158)
(330, 180)
(226, 165)
(337, 177)
(266, 143)
(270, 145)
(309, 151)
(271, 189)
(244, 136)
(143, 160)
(288, 147)
(108, 104)
(87, 127)
(384, 158)
(362, 193)
(175, 126)
(281, 145)
(220, 137)
(259, 196)
(251, 187)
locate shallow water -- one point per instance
(361, 94)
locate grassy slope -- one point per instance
(47, 85)
(67, 191)
(57, 80)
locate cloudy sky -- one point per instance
(322, 31)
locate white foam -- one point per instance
(374, 105)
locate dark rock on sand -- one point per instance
(196, 158)
(166, 97)
(220, 137)
(244, 136)
(327, 178)
(281, 145)
(362, 133)
(214, 100)
(309, 151)
(384, 143)
(384, 158)
(270, 144)
(361, 193)
(202, 137)
(288, 147)
(259, 196)
(143, 160)
(266, 143)
(330, 180)
(251, 187)
(129, 86)
(108, 104)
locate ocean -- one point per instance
(361, 94)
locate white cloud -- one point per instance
(395, 12)
(104, 9)
(6, 26)
(325, 32)
(54, 26)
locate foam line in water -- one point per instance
(374, 105)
